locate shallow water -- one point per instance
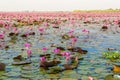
(92, 65)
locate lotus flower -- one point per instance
(63, 53)
(15, 30)
(56, 50)
(71, 35)
(71, 31)
(67, 54)
(67, 58)
(44, 49)
(27, 34)
(74, 40)
(41, 29)
(7, 27)
(1, 35)
(72, 22)
(46, 24)
(90, 78)
(30, 28)
(29, 53)
(76, 58)
(116, 21)
(105, 24)
(42, 59)
(27, 45)
(85, 31)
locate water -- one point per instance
(92, 65)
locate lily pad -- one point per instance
(68, 79)
(21, 63)
(111, 77)
(68, 72)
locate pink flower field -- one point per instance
(59, 45)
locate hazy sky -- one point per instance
(56, 5)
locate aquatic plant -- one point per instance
(41, 29)
(44, 49)
(85, 31)
(27, 45)
(2, 35)
(74, 40)
(116, 68)
(15, 30)
(112, 55)
(42, 59)
(29, 53)
(56, 50)
(90, 78)
(2, 66)
(65, 36)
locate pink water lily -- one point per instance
(46, 24)
(29, 52)
(71, 35)
(2, 22)
(74, 40)
(85, 31)
(27, 45)
(42, 59)
(68, 58)
(44, 49)
(7, 27)
(90, 78)
(15, 30)
(1, 35)
(41, 29)
(67, 54)
(116, 22)
(56, 50)
(72, 22)
(105, 24)
(76, 58)
(63, 53)
(27, 34)
(30, 28)
(71, 31)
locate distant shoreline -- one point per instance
(104, 10)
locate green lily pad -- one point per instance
(52, 76)
(111, 77)
(68, 72)
(68, 79)
(21, 63)
(99, 70)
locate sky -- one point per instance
(57, 5)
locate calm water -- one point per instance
(92, 65)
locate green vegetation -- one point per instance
(112, 55)
(106, 10)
